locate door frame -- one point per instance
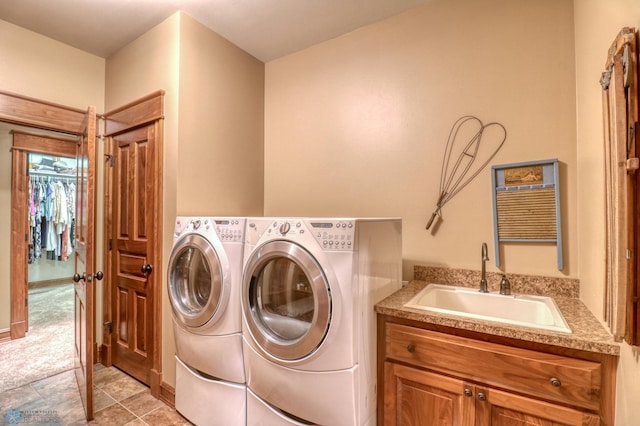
(30, 112)
(146, 111)
(23, 144)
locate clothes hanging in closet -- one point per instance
(51, 217)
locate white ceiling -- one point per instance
(267, 29)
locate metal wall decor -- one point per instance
(459, 166)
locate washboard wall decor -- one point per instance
(526, 204)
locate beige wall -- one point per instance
(41, 68)
(357, 126)
(597, 22)
(220, 169)
(213, 127)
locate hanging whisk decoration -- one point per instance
(460, 167)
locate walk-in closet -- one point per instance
(51, 215)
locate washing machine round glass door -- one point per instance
(286, 300)
(195, 281)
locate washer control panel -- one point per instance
(179, 228)
(227, 229)
(230, 230)
(334, 235)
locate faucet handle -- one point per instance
(505, 285)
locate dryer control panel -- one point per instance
(334, 234)
(286, 227)
(331, 234)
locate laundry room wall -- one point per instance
(42, 68)
(357, 126)
(221, 151)
(213, 128)
(597, 22)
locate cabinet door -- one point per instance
(416, 397)
(498, 408)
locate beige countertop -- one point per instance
(588, 334)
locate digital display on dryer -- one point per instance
(326, 225)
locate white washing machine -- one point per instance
(308, 295)
(204, 284)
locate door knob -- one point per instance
(77, 277)
(99, 275)
(146, 269)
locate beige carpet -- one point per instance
(48, 347)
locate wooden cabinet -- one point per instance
(417, 397)
(434, 378)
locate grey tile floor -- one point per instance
(37, 381)
(118, 400)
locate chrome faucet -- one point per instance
(483, 280)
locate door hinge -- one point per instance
(26, 302)
(111, 159)
(110, 244)
(109, 326)
(26, 237)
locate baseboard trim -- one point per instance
(5, 335)
(167, 394)
(105, 355)
(18, 330)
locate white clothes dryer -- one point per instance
(204, 284)
(308, 295)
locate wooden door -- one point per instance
(132, 245)
(416, 397)
(498, 408)
(86, 158)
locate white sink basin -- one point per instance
(529, 311)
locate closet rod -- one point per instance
(52, 174)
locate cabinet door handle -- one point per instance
(468, 392)
(482, 396)
(555, 382)
(411, 348)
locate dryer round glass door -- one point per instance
(286, 300)
(195, 281)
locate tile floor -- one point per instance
(37, 381)
(118, 400)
